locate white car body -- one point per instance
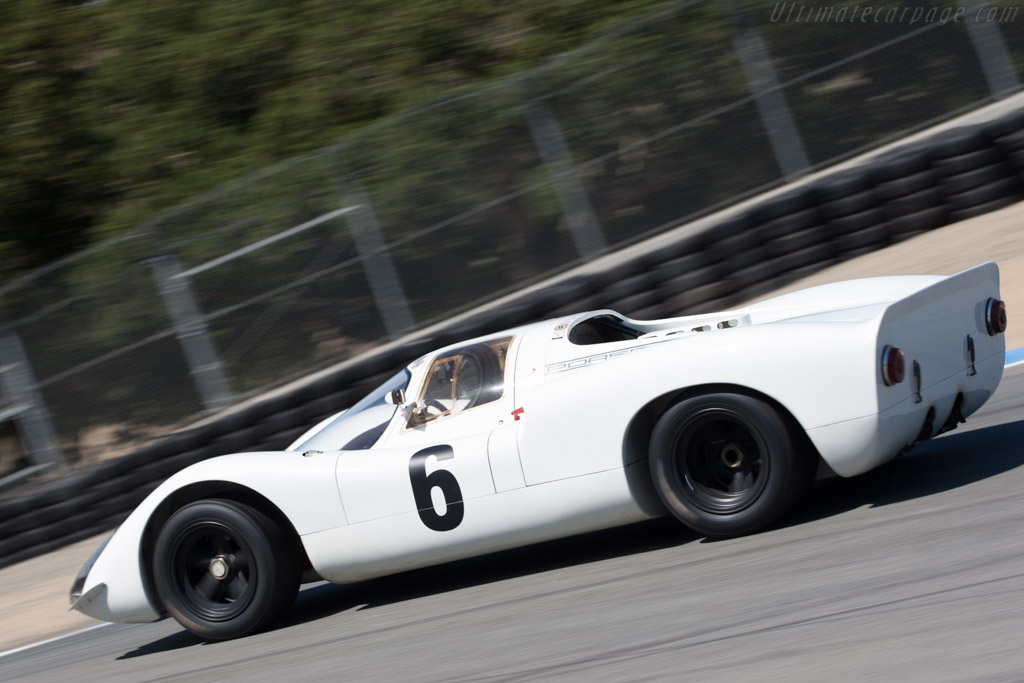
(563, 450)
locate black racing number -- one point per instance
(423, 483)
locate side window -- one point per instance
(462, 379)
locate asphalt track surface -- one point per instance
(914, 572)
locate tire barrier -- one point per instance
(914, 188)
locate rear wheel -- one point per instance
(223, 569)
(726, 464)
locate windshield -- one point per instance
(359, 427)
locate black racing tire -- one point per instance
(871, 238)
(781, 206)
(915, 223)
(631, 305)
(260, 558)
(730, 227)
(681, 303)
(680, 265)
(840, 185)
(687, 281)
(816, 254)
(1011, 142)
(913, 202)
(553, 298)
(743, 280)
(1016, 161)
(599, 279)
(797, 241)
(982, 209)
(722, 303)
(630, 286)
(855, 223)
(744, 258)
(901, 187)
(960, 141)
(691, 244)
(727, 464)
(761, 287)
(785, 225)
(979, 177)
(850, 205)
(1008, 125)
(810, 269)
(970, 161)
(889, 170)
(697, 299)
(655, 311)
(1007, 187)
(741, 241)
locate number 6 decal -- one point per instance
(423, 483)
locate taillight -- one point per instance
(995, 317)
(893, 366)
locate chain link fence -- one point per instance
(324, 257)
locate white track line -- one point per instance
(54, 640)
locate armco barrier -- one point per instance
(917, 187)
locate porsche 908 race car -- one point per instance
(562, 427)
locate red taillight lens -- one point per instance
(995, 317)
(893, 366)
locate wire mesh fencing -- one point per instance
(323, 257)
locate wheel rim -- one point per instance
(213, 571)
(721, 463)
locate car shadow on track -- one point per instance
(326, 599)
(943, 464)
(175, 641)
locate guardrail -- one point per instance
(914, 188)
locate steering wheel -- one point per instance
(434, 403)
(470, 380)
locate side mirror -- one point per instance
(396, 397)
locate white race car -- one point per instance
(562, 427)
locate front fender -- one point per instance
(303, 488)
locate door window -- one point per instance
(462, 379)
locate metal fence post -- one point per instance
(200, 353)
(373, 252)
(27, 408)
(783, 134)
(554, 152)
(990, 47)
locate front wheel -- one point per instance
(726, 465)
(224, 570)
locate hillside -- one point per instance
(113, 111)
